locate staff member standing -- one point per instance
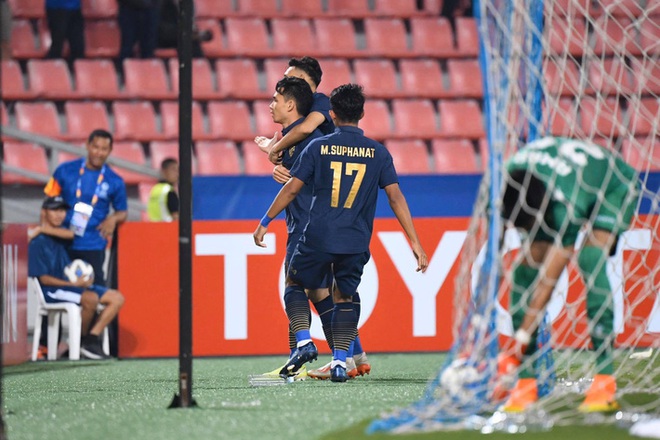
(163, 205)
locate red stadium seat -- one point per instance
(601, 117)
(378, 77)
(649, 34)
(306, 9)
(567, 36)
(215, 47)
(336, 72)
(336, 37)
(230, 120)
(465, 78)
(614, 36)
(432, 36)
(642, 153)
(421, 79)
(409, 156)
(414, 118)
(454, 157)
(622, 8)
(203, 84)
(4, 116)
(102, 39)
(27, 157)
(561, 118)
(263, 120)
(135, 121)
(161, 150)
(570, 8)
(247, 37)
(386, 37)
(83, 117)
(609, 76)
(646, 75)
(38, 118)
(259, 8)
(23, 43)
(239, 79)
(214, 9)
(562, 77)
(293, 37)
(169, 115)
(643, 115)
(13, 86)
(27, 8)
(132, 152)
(217, 158)
(349, 8)
(467, 37)
(377, 121)
(396, 8)
(461, 119)
(256, 161)
(274, 69)
(50, 79)
(98, 9)
(97, 79)
(146, 79)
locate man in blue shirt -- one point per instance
(345, 170)
(47, 258)
(90, 188)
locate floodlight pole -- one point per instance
(184, 399)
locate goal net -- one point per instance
(587, 70)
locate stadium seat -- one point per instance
(239, 79)
(642, 153)
(102, 39)
(23, 43)
(214, 9)
(560, 118)
(135, 121)
(99, 9)
(27, 8)
(217, 158)
(643, 116)
(649, 34)
(215, 47)
(146, 79)
(377, 121)
(132, 152)
(609, 76)
(646, 75)
(349, 8)
(615, 36)
(38, 118)
(28, 157)
(50, 79)
(467, 37)
(230, 120)
(465, 78)
(454, 156)
(561, 76)
(336, 37)
(567, 36)
(336, 71)
(293, 37)
(4, 115)
(13, 85)
(169, 115)
(386, 37)
(421, 79)
(247, 37)
(83, 117)
(461, 118)
(306, 9)
(378, 77)
(263, 121)
(569, 8)
(622, 8)
(414, 118)
(432, 36)
(259, 8)
(203, 84)
(256, 161)
(601, 117)
(274, 69)
(396, 8)
(97, 79)
(409, 156)
(161, 150)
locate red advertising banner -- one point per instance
(15, 347)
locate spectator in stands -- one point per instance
(163, 205)
(66, 23)
(47, 258)
(138, 23)
(168, 30)
(90, 188)
(5, 30)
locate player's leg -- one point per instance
(362, 365)
(88, 304)
(322, 301)
(113, 300)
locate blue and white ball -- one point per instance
(79, 269)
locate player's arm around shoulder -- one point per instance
(400, 208)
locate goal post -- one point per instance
(586, 70)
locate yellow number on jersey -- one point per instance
(351, 168)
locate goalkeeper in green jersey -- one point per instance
(555, 187)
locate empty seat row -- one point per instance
(590, 8)
(94, 9)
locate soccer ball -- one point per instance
(460, 380)
(79, 269)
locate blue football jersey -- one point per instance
(321, 104)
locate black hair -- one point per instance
(101, 133)
(165, 163)
(347, 101)
(310, 66)
(298, 90)
(523, 198)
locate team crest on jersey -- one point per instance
(292, 150)
(103, 191)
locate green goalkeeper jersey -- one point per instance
(585, 183)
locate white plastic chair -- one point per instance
(54, 313)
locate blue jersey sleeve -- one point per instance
(388, 175)
(40, 260)
(321, 104)
(303, 167)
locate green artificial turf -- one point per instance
(128, 399)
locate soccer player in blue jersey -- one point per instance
(345, 170)
(90, 187)
(47, 258)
